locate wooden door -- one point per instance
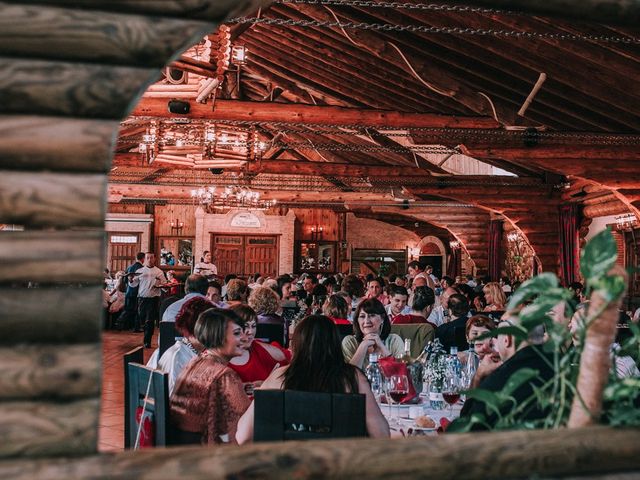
(228, 254)
(122, 250)
(261, 255)
(245, 255)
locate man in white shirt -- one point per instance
(148, 279)
(195, 286)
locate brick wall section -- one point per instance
(366, 233)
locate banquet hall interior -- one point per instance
(490, 141)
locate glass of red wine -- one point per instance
(451, 391)
(398, 389)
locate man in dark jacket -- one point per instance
(452, 334)
(514, 356)
(129, 315)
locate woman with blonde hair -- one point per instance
(266, 303)
(495, 297)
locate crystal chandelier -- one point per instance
(231, 197)
(626, 222)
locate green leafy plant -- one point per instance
(535, 299)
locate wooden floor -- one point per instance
(114, 345)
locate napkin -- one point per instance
(391, 366)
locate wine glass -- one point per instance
(398, 389)
(451, 391)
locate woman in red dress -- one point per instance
(259, 359)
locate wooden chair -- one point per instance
(419, 333)
(134, 356)
(140, 380)
(164, 304)
(272, 333)
(166, 337)
(282, 415)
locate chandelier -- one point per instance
(230, 197)
(626, 222)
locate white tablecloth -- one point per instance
(401, 424)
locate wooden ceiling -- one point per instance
(354, 108)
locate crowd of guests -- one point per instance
(217, 362)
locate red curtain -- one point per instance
(454, 268)
(495, 249)
(569, 222)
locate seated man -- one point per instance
(514, 355)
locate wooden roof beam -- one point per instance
(311, 114)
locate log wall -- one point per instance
(69, 71)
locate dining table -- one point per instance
(402, 417)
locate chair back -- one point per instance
(419, 333)
(268, 332)
(345, 330)
(164, 304)
(134, 356)
(141, 380)
(167, 337)
(282, 415)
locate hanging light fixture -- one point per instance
(627, 221)
(231, 197)
(239, 55)
(454, 244)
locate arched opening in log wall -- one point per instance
(61, 106)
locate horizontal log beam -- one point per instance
(513, 454)
(52, 199)
(312, 114)
(76, 318)
(216, 11)
(577, 154)
(132, 191)
(50, 371)
(50, 257)
(108, 38)
(49, 87)
(56, 144)
(44, 429)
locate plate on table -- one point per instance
(411, 423)
(416, 401)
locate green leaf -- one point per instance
(519, 378)
(610, 287)
(532, 288)
(598, 256)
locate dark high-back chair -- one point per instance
(272, 333)
(164, 304)
(157, 401)
(290, 415)
(345, 330)
(134, 356)
(167, 337)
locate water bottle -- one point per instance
(436, 402)
(374, 375)
(453, 362)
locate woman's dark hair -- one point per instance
(318, 363)
(372, 306)
(422, 298)
(245, 312)
(122, 284)
(211, 327)
(282, 281)
(353, 286)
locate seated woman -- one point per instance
(265, 303)
(187, 346)
(495, 297)
(372, 335)
(209, 397)
(335, 307)
(258, 359)
(479, 325)
(318, 366)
